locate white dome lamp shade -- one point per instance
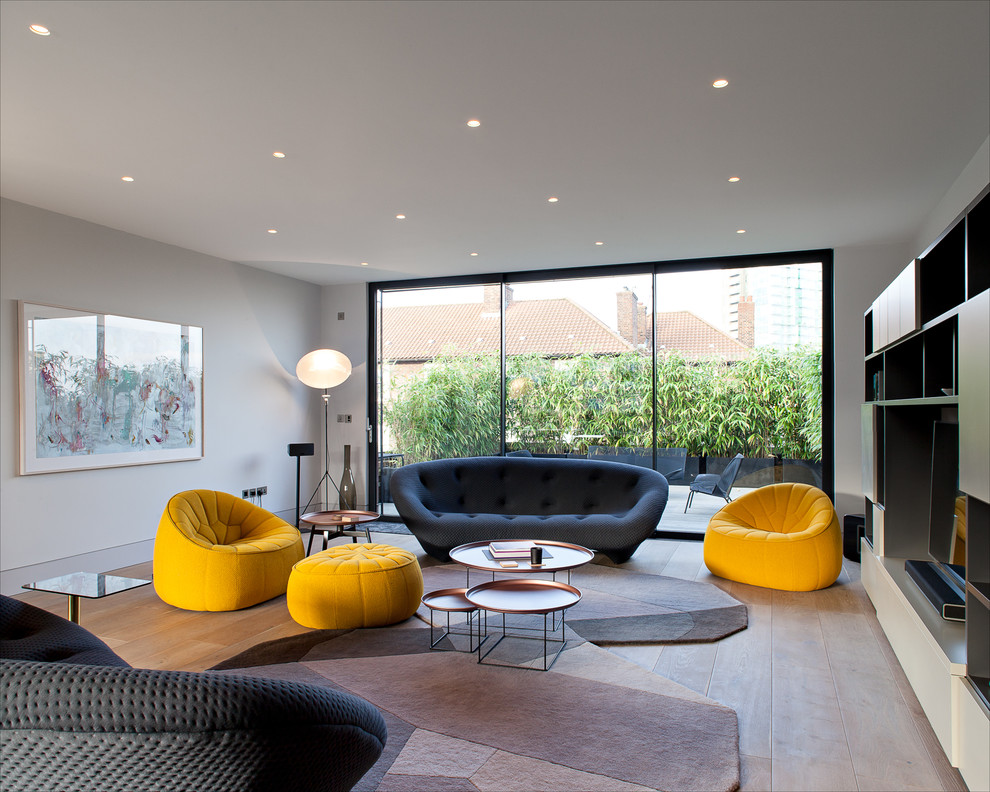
(323, 368)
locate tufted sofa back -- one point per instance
(606, 506)
(69, 719)
(526, 485)
(782, 509)
(209, 518)
(29, 633)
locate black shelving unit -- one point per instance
(926, 359)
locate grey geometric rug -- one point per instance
(618, 606)
(594, 722)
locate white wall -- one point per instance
(861, 273)
(975, 176)
(350, 336)
(256, 325)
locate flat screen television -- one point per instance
(947, 503)
(942, 581)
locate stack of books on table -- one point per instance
(500, 550)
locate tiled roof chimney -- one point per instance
(493, 299)
(629, 317)
(746, 334)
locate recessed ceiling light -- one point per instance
(272, 230)
(474, 122)
(278, 155)
(41, 30)
(720, 83)
(400, 217)
(474, 254)
(552, 199)
(364, 263)
(733, 179)
(599, 243)
(127, 178)
(741, 231)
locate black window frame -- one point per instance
(652, 268)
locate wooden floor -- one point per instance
(822, 702)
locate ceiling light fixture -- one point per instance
(272, 230)
(599, 243)
(552, 199)
(474, 122)
(40, 30)
(278, 155)
(474, 254)
(364, 263)
(741, 231)
(720, 83)
(400, 217)
(127, 178)
(733, 179)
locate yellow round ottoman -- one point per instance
(784, 536)
(355, 585)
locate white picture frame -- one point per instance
(101, 390)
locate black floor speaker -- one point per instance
(853, 529)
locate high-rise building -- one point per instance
(777, 306)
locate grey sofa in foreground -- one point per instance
(75, 716)
(606, 506)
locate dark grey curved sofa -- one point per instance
(605, 506)
(75, 716)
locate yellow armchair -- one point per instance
(217, 552)
(784, 536)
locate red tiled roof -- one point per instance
(693, 337)
(555, 327)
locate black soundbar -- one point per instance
(946, 599)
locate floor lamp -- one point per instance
(325, 369)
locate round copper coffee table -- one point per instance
(453, 601)
(557, 557)
(530, 597)
(335, 523)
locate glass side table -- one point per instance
(91, 585)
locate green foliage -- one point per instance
(450, 409)
(768, 404)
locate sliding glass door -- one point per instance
(739, 372)
(680, 367)
(437, 363)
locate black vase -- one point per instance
(348, 499)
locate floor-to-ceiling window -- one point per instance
(578, 367)
(679, 366)
(438, 356)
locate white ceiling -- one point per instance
(847, 122)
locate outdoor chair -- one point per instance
(715, 484)
(671, 463)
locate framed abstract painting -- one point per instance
(99, 390)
